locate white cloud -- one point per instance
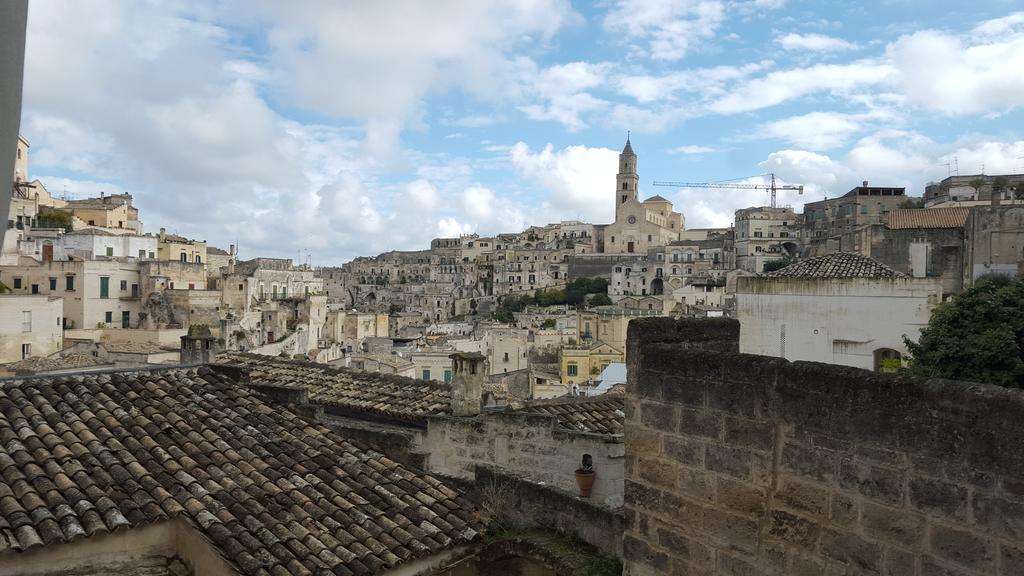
(956, 76)
(820, 130)
(562, 91)
(452, 228)
(578, 180)
(692, 149)
(669, 27)
(423, 194)
(478, 202)
(780, 86)
(999, 26)
(814, 43)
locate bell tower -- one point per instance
(627, 180)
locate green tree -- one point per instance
(912, 203)
(549, 323)
(600, 300)
(1000, 184)
(979, 336)
(977, 184)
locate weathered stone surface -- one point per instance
(749, 433)
(843, 510)
(803, 497)
(641, 496)
(700, 423)
(937, 496)
(733, 530)
(816, 463)
(962, 547)
(799, 469)
(740, 496)
(641, 552)
(1000, 515)
(659, 416)
(883, 484)
(658, 473)
(892, 525)
(899, 562)
(793, 529)
(852, 549)
(684, 450)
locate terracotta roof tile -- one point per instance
(837, 265)
(398, 397)
(598, 415)
(87, 454)
(954, 217)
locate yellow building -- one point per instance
(583, 363)
(174, 247)
(608, 324)
(114, 211)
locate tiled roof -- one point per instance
(838, 265)
(954, 217)
(66, 362)
(387, 395)
(599, 415)
(86, 455)
(130, 347)
(656, 198)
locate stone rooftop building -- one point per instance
(185, 471)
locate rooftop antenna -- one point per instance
(956, 164)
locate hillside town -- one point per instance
(85, 285)
(831, 388)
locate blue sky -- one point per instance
(327, 130)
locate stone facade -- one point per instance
(739, 464)
(527, 444)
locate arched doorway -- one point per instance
(888, 360)
(657, 286)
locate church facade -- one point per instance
(638, 225)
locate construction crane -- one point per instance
(773, 188)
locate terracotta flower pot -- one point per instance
(585, 481)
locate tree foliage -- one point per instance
(600, 300)
(979, 336)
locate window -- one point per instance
(26, 321)
(649, 237)
(184, 257)
(108, 317)
(105, 287)
(447, 376)
(625, 186)
(35, 288)
(142, 253)
(17, 282)
(506, 357)
(198, 259)
(26, 351)
(150, 255)
(126, 319)
(69, 283)
(110, 251)
(124, 285)
(53, 284)
(572, 369)
(758, 234)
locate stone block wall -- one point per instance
(740, 464)
(532, 446)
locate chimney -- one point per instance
(163, 233)
(865, 184)
(467, 383)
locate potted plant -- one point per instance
(585, 476)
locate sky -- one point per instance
(322, 130)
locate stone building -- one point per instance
(95, 293)
(765, 234)
(840, 309)
(30, 325)
(638, 225)
(112, 211)
(960, 189)
(826, 220)
(191, 490)
(180, 249)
